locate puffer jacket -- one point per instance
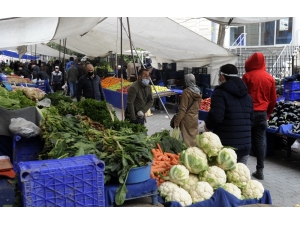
(231, 115)
(90, 88)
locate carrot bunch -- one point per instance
(162, 163)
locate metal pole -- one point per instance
(144, 68)
(136, 72)
(122, 101)
(35, 52)
(59, 49)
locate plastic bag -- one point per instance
(46, 102)
(176, 133)
(24, 127)
(295, 145)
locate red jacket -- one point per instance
(261, 85)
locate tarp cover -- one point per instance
(236, 21)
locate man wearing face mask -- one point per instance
(231, 112)
(139, 98)
(89, 85)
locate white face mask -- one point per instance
(146, 82)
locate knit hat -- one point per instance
(229, 70)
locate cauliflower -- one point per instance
(215, 176)
(232, 189)
(194, 159)
(166, 187)
(226, 159)
(191, 181)
(179, 195)
(253, 189)
(239, 176)
(201, 191)
(209, 142)
(178, 174)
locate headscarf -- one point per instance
(190, 82)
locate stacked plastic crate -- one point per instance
(291, 90)
(71, 182)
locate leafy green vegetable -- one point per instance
(56, 97)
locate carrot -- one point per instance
(159, 148)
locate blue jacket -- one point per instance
(90, 88)
(69, 65)
(231, 115)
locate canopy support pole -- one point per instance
(136, 72)
(131, 43)
(122, 93)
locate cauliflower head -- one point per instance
(239, 176)
(166, 187)
(179, 174)
(232, 189)
(179, 195)
(209, 142)
(191, 181)
(226, 159)
(253, 189)
(194, 159)
(215, 176)
(201, 191)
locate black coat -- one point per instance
(90, 88)
(231, 115)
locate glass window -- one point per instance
(252, 38)
(267, 33)
(284, 30)
(235, 32)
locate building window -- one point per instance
(284, 30)
(235, 32)
(252, 31)
(267, 33)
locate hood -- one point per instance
(235, 86)
(194, 95)
(255, 62)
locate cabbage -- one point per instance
(226, 159)
(209, 142)
(194, 159)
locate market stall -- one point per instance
(97, 153)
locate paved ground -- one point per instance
(282, 174)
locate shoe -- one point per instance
(258, 174)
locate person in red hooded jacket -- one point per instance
(262, 88)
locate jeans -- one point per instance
(258, 138)
(72, 87)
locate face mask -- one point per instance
(90, 74)
(20, 68)
(145, 82)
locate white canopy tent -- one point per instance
(96, 36)
(238, 21)
(163, 37)
(39, 49)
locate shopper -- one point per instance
(187, 118)
(231, 112)
(89, 85)
(262, 88)
(35, 69)
(56, 79)
(139, 98)
(24, 71)
(71, 78)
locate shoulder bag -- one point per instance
(176, 114)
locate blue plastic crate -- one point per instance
(291, 95)
(291, 85)
(70, 182)
(26, 149)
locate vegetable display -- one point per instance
(14, 99)
(221, 170)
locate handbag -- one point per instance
(176, 114)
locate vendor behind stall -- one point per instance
(139, 98)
